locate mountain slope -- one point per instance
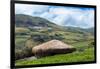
(31, 31)
(29, 21)
(80, 30)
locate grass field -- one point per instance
(31, 31)
(78, 56)
(87, 55)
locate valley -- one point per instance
(32, 31)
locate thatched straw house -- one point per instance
(52, 47)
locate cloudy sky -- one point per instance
(65, 16)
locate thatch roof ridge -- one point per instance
(52, 47)
(53, 44)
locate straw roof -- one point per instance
(52, 47)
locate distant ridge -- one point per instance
(23, 20)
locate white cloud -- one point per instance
(48, 15)
(30, 9)
(69, 16)
(74, 17)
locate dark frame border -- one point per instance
(12, 35)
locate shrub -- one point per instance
(91, 44)
(23, 53)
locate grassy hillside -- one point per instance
(29, 22)
(31, 31)
(78, 56)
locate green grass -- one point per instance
(74, 39)
(21, 30)
(87, 55)
(24, 41)
(81, 44)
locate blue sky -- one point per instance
(65, 16)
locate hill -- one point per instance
(80, 30)
(33, 22)
(38, 22)
(31, 31)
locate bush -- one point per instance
(91, 44)
(23, 53)
(40, 37)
